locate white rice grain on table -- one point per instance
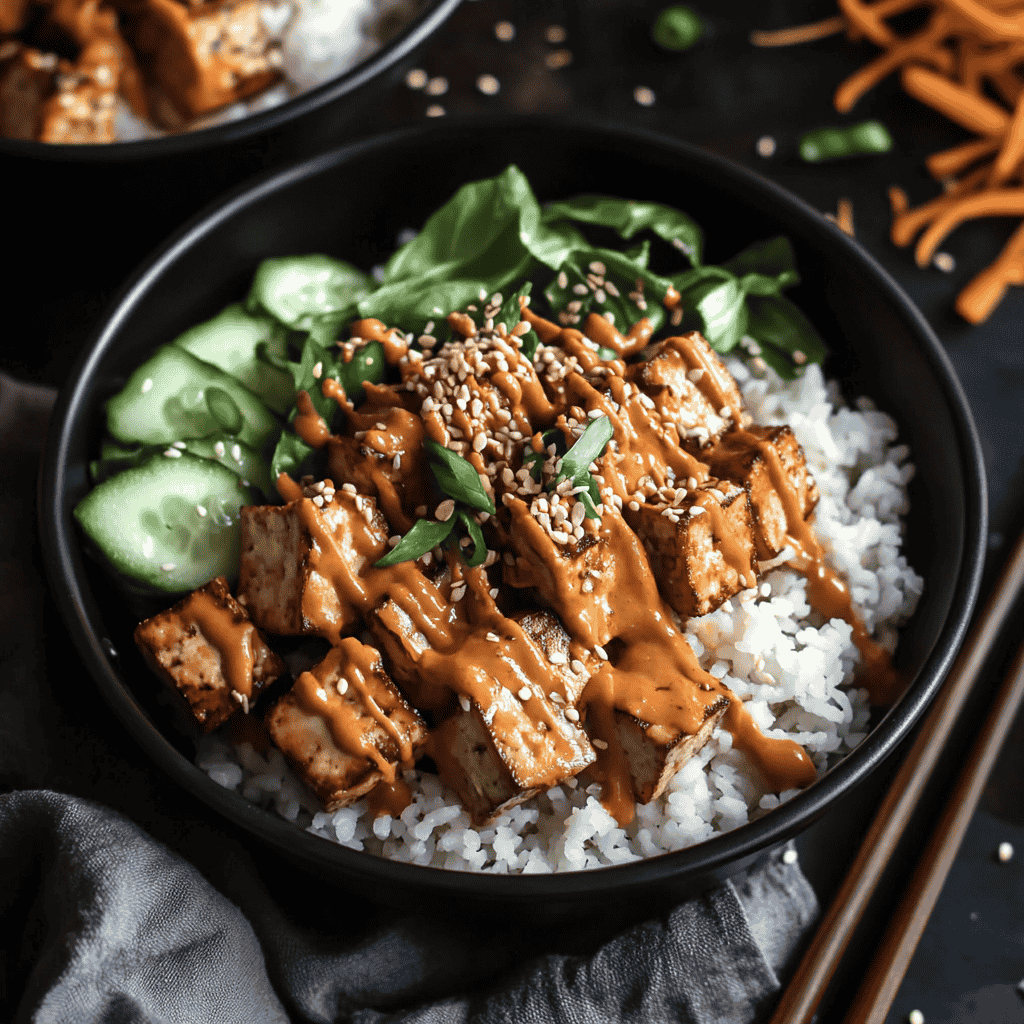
(793, 671)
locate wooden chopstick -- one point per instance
(893, 956)
(805, 991)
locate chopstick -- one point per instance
(820, 962)
(893, 956)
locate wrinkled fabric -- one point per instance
(104, 924)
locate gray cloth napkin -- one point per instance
(101, 923)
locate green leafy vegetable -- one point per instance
(476, 536)
(852, 140)
(457, 477)
(628, 217)
(783, 331)
(588, 447)
(423, 536)
(304, 292)
(677, 28)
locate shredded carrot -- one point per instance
(965, 59)
(844, 216)
(898, 201)
(950, 162)
(799, 33)
(984, 293)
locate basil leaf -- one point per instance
(589, 445)
(476, 535)
(781, 329)
(330, 365)
(457, 477)
(423, 535)
(297, 290)
(628, 216)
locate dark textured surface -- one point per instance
(724, 95)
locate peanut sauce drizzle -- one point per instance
(625, 607)
(352, 662)
(230, 636)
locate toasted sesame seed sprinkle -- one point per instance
(766, 146)
(555, 34)
(525, 693)
(236, 453)
(600, 652)
(790, 857)
(349, 488)
(201, 510)
(464, 701)
(488, 85)
(599, 744)
(434, 110)
(504, 31)
(321, 694)
(437, 86)
(342, 687)
(1005, 852)
(417, 78)
(644, 96)
(572, 714)
(147, 385)
(558, 658)
(445, 510)
(318, 370)
(168, 567)
(172, 453)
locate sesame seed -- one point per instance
(173, 453)
(915, 1017)
(558, 658)
(349, 488)
(201, 510)
(488, 85)
(766, 146)
(417, 78)
(572, 714)
(318, 370)
(493, 637)
(599, 744)
(147, 385)
(321, 694)
(434, 110)
(318, 501)
(505, 31)
(464, 701)
(790, 857)
(578, 667)
(1005, 852)
(167, 567)
(944, 261)
(697, 510)
(437, 86)
(799, 357)
(600, 652)
(445, 510)
(342, 687)
(236, 453)
(644, 96)
(525, 694)
(555, 34)
(459, 592)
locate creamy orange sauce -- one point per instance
(605, 592)
(230, 635)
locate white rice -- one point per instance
(320, 40)
(793, 670)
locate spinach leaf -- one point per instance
(292, 456)
(772, 257)
(717, 308)
(457, 477)
(628, 217)
(782, 329)
(300, 291)
(423, 535)
(367, 364)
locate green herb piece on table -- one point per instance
(677, 28)
(855, 140)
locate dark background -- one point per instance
(79, 230)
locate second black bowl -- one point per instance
(352, 203)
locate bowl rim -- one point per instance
(710, 858)
(432, 15)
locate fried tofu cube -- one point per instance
(509, 750)
(300, 562)
(655, 753)
(203, 56)
(769, 463)
(344, 726)
(701, 552)
(568, 675)
(689, 386)
(208, 650)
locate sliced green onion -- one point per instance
(457, 477)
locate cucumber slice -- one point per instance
(169, 525)
(238, 343)
(240, 459)
(174, 396)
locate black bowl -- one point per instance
(352, 203)
(84, 216)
